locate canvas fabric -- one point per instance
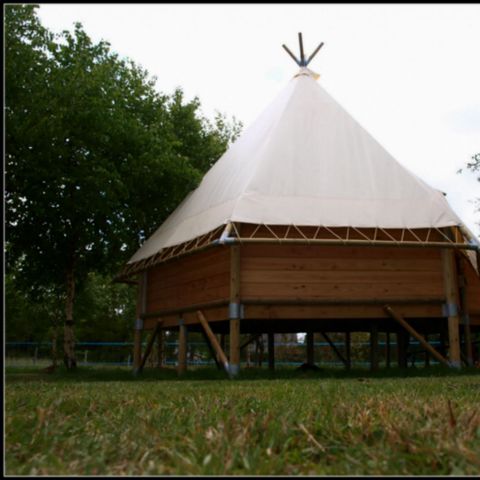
(304, 161)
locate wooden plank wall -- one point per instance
(345, 273)
(193, 279)
(473, 288)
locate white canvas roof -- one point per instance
(304, 161)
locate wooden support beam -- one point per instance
(298, 302)
(388, 350)
(427, 354)
(249, 340)
(213, 341)
(464, 358)
(415, 334)
(334, 348)
(137, 345)
(212, 351)
(248, 358)
(234, 347)
(472, 240)
(182, 347)
(149, 347)
(165, 312)
(465, 314)
(271, 351)
(259, 347)
(138, 331)
(373, 347)
(348, 350)
(443, 341)
(160, 348)
(234, 310)
(452, 306)
(468, 344)
(402, 346)
(310, 348)
(355, 242)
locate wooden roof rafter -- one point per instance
(169, 253)
(402, 237)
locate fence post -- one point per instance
(310, 348)
(348, 350)
(427, 355)
(182, 347)
(387, 349)
(35, 355)
(373, 347)
(271, 351)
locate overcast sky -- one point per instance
(409, 74)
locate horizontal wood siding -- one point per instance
(315, 312)
(212, 314)
(472, 281)
(344, 273)
(193, 279)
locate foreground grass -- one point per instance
(95, 422)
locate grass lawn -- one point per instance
(104, 421)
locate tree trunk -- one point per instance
(68, 331)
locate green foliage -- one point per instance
(27, 319)
(96, 158)
(198, 140)
(288, 423)
(474, 166)
(105, 310)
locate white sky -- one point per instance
(410, 74)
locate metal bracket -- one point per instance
(455, 364)
(224, 236)
(224, 241)
(233, 370)
(449, 309)
(235, 310)
(139, 324)
(474, 242)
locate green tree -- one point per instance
(200, 141)
(32, 318)
(474, 166)
(101, 303)
(27, 320)
(95, 157)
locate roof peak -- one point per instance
(307, 72)
(303, 62)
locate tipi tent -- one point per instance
(308, 224)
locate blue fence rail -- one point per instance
(120, 353)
